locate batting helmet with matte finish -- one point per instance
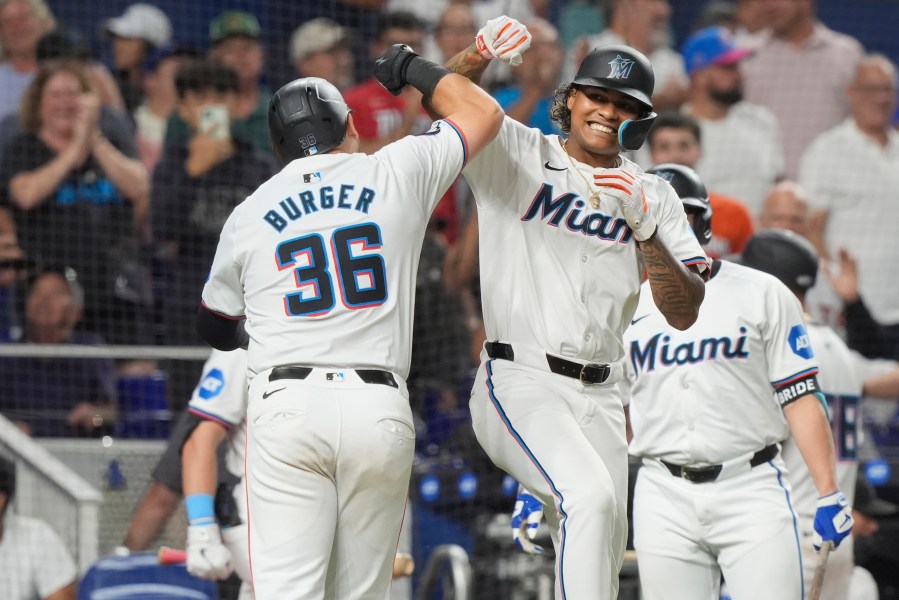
(784, 254)
(628, 71)
(692, 193)
(307, 116)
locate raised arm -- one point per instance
(447, 95)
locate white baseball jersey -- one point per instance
(221, 396)
(565, 277)
(705, 395)
(322, 257)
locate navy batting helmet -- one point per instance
(784, 254)
(306, 116)
(691, 190)
(628, 71)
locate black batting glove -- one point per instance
(391, 68)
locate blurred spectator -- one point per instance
(428, 11)
(160, 98)
(136, 34)
(79, 199)
(380, 117)
(195, 187)
(743, 152)
(799, 72)
(851, 173)
(22, 23)
(454, 32)
(57, 396)
(235, 38)
(69, 44)
(536, 78)
(642, 24)
(320, 48)
(867, 509)
(579, 18)
(34, 562)
(13, 271)
(751, 22)
(676, 138)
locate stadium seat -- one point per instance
(141, 577)
(143, 406)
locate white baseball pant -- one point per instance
(328, 465)
(236, 539)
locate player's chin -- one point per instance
(600, 142)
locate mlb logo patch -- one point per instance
(334, 377)
(312, 177)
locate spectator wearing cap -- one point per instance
(743, 152)
(22, 23)
(234, 36)
(58, 396)
(320, 48)
(34, 562)
(136, 33)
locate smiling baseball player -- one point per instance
(709, 406)
(568, 228)
(319, 264)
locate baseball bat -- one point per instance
(170, 556)
(818, 578)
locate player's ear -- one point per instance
(569, 102)
(351, 141)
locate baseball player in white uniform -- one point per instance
(792, 259)
(220, 400)
(568, 229)
(315, 272)
(708, 408)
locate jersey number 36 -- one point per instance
(362, 279)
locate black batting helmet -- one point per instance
(692, 193)
(306, 116)
(628, 71)
(784, 254)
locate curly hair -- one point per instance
(559, 112)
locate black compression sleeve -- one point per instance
(424, 75)
(221, 332)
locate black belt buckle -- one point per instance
(694, 474)
(594, 373)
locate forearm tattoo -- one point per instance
(468, 64)
(676, 290)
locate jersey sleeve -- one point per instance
(221, 394)
(223, 292)
(430, 161)
(792, 368)
(488, 174)
(675, 230)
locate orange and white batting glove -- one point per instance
(503, 38)
(626, 188)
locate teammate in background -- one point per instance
(708, 407)
(565, 240)
(330, 450)
(793, 259)
(677, 138)
(217, 513)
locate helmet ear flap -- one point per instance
(632, 133)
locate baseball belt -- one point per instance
(711, 472)
(372, 376)
(590, 373)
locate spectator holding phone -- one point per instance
(196, 185)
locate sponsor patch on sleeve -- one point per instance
(212, 384)
(799, 342)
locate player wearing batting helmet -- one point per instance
(709, 406)
(574, 227)
(793, 260)
(691, 191)
(315, 275)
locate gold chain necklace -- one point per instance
(594, 195)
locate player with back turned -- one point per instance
(568, 229)
(709, 406)
(315, 274)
